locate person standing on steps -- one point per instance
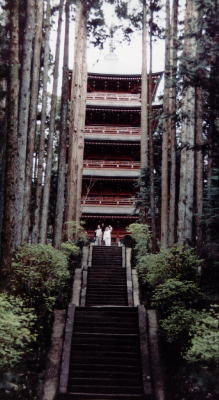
(107, 235)
(99, 235)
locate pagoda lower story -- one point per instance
(112, 152)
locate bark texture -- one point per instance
(151, 144)
(8, 239)
(3, 138)
(77, 122)
(41, 152)
(24, 115)
(199, 167)
(187, 164)
(173, 76)
(60, 199)
(165, 139)
(32, 117)
(144, 91)
(49, 158)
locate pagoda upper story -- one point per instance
(113, 106)
(124, 90)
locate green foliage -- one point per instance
(174, 292)
(205, 339)
(171, 276)
(70, 249)
(177, 324)
(16, 330)
(176, 262)
(142, 237)
(40, 273)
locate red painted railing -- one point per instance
(111, 164)
(111, 130)
(126, 97)
(103, 200)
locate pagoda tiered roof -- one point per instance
(100, 80)
(119, 116)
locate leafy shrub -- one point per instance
(205, 339)
(39, 272)
(16, 330)
(176, 293)
(177, 324)
(176, 262)
(142, 237)
(70, 249)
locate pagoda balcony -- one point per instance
(111, 168)
(111, 164)
(121, 133)
(112, 99)
(107, 200)
(111, 206)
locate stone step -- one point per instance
(105, 328)
(119, 279)
(106, 381)
(106, 339)
(105, 285)
(108, 373)
(106, 303)
(106, 324)
(113, 389)
(99, 396)
(103, 366)
(104, 295)
(132, 361)
(110, 353)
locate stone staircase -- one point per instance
(106, 349)
(106, 281)
(105, 355)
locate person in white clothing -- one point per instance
(107, 236)
(99, 235)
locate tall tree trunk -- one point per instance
(151, 145)
(144, 92)
(24, 113)
(80, 152)
(47, 180)
(199, 158)
(77, 115)
(187, 164)
(32, 117)
(39, 186)
(60, 199)
(165, 139)
(3, 139)
(199, 166)
(212, 209)
(173, 94)
(10, 212)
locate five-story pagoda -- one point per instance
(112, 150)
